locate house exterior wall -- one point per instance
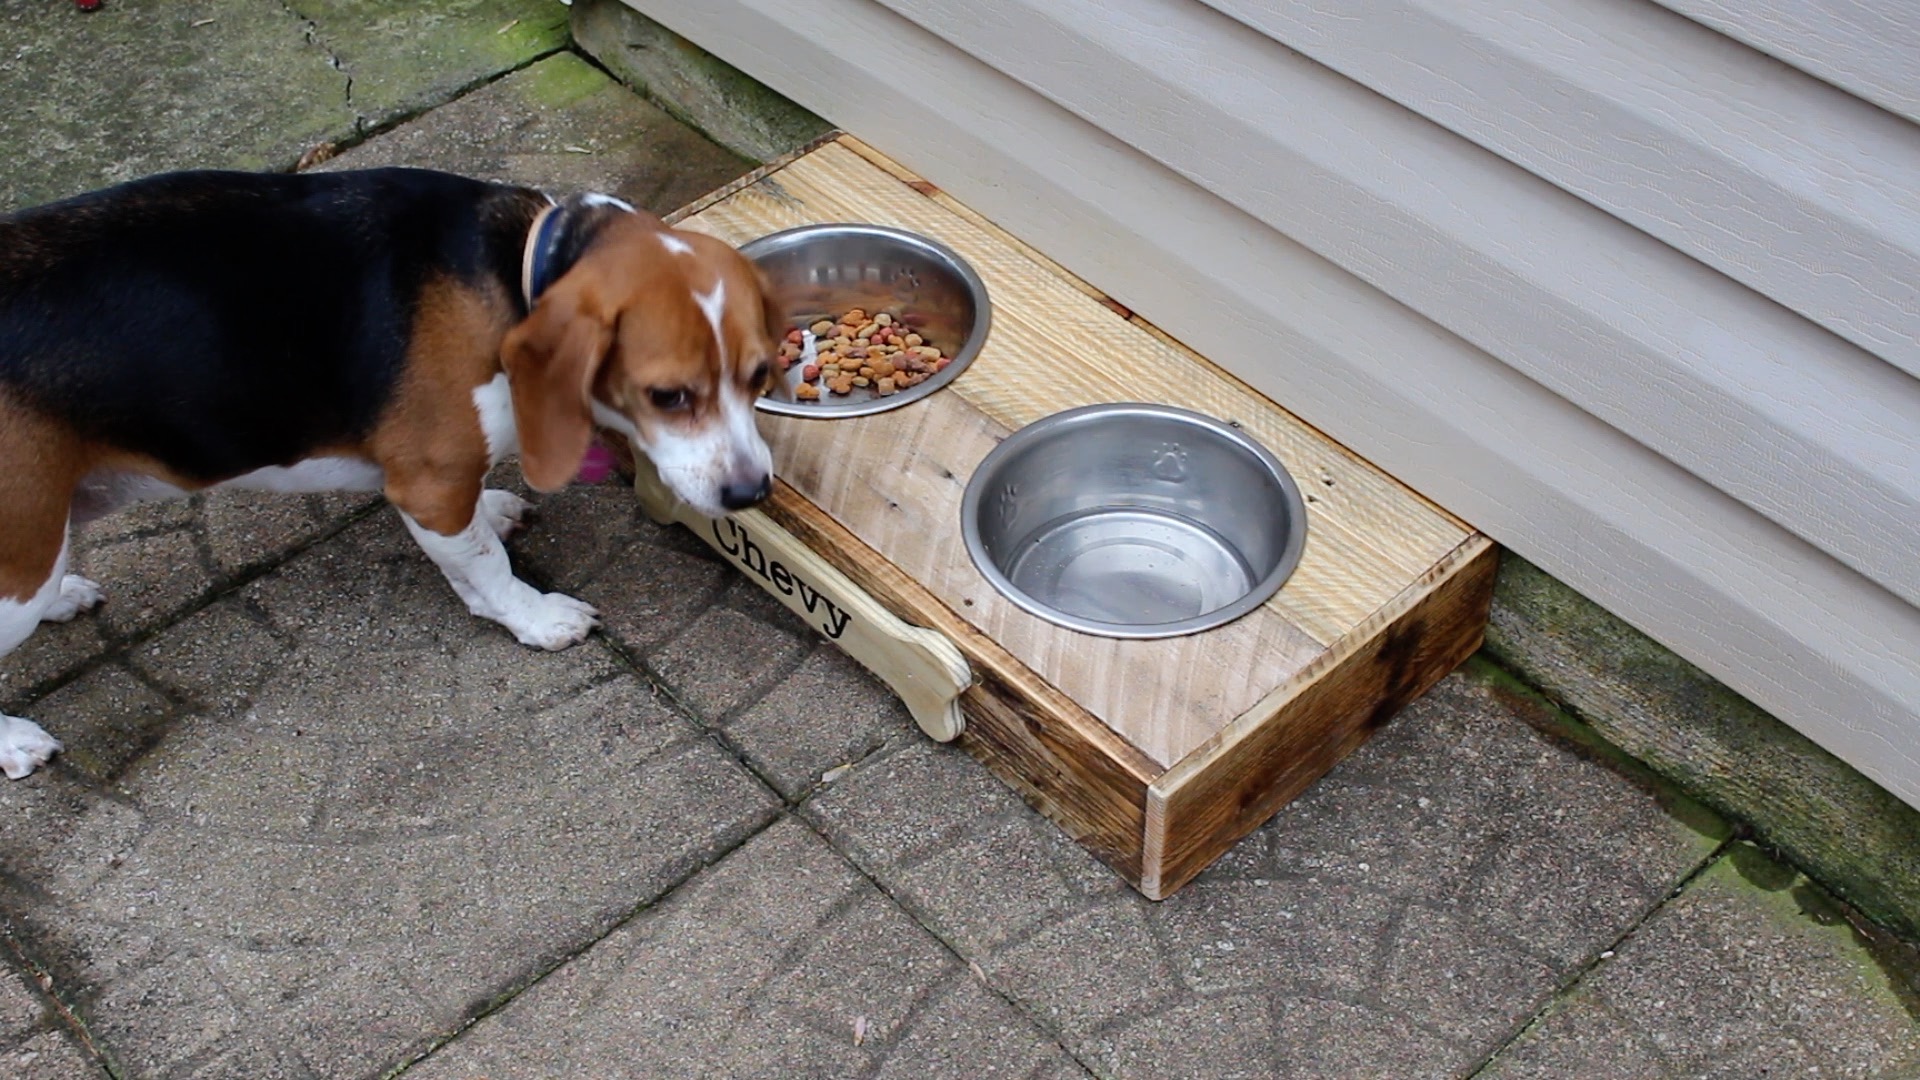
(1631, 287)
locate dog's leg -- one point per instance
(504, 511)
(77, 594)
(458, 529)
(24, 746)
(42, 465)
(476, 565)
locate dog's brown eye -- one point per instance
(669, 400)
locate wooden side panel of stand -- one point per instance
(1065, 762)
(1227, 788)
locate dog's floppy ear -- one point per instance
(773, 308)
(551, 360)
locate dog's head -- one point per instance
(665, 336)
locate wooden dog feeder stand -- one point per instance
(1155, 754)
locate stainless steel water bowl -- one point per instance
(1134, 521)
(820, 271)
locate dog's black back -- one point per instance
(166, 315)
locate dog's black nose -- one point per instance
(741, 496)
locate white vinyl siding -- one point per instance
(1605, 361)
(1870, 48)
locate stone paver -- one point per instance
(34, 1042)
(729, 658)
(1358, 934)
(792, 706)
(143, 86)
(782, 961)
(403, 58)
(157, 561)
(828, 713)
(317, 821)
(560, 125)
(1751, 972)
(367, 815)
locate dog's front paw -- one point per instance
(552, 621)
(504, 511)
(24, 747)
(77, 594)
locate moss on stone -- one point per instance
(404, 58)
(1855, 837)
(135, 89)
(1760, 871)
(129, 90)
(697, 88)
(563, 81)
(1797, 907)
(561, 125)
(1707, 828)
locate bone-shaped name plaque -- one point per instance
(924, 667)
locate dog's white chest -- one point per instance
(493, 401)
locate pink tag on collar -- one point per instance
(596, 466)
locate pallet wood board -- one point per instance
(1052, 347)
(1157, 754)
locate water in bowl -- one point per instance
(1131, 566)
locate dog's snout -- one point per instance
(739, 496)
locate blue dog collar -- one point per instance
(537, 269)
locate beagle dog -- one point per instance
(392, 330)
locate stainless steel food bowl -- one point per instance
(820, 271)
(1134, 521)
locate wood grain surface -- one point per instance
(895, 479)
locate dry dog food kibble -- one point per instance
(858, 350)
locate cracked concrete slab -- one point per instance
(144, 86)
(781, 961)
(1357, 934)
(400, 59)
(560, 125)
